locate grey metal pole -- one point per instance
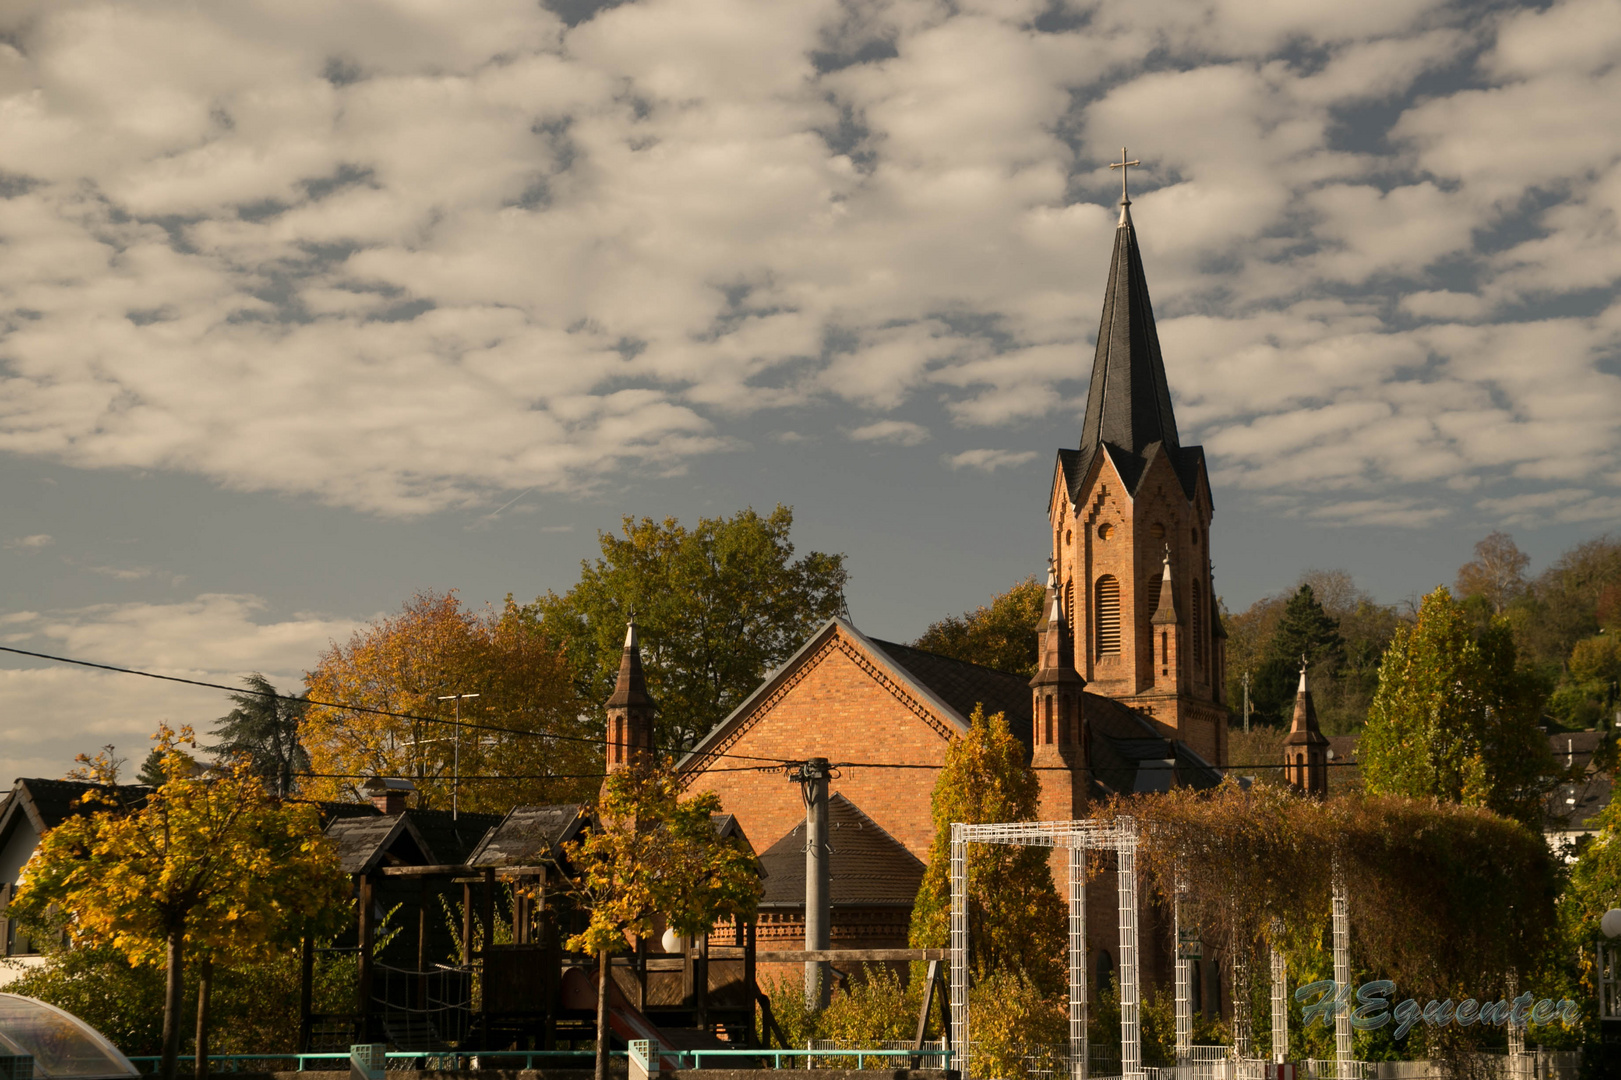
(818, 881)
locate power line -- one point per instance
(357, 708)
(772, 764)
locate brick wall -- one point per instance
(834, 705)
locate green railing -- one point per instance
(339, 1061)
(646, 1057)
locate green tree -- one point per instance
(1000, 635)
(1589, 690)
(264, 728)
(1455, 718)
(650, 854)
(717, 606)
(1561, 606)
(1015, 917)
(208, 863)
(1306, 630)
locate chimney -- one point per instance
(389, 795)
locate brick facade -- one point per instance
(841, 702)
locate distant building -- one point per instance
(33, 807)
(1573, 804)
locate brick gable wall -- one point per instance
(839, 704)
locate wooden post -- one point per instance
(487, 915)
(751, 989)
(551, 973)
(467, 924)
(366, 931)
(306, 991)
(703, 982)
(639, 970)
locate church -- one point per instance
(1128, 697)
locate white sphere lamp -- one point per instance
(673, 942)
(1611, 923)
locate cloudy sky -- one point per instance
(305, 306)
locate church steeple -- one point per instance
(630, 708)
(1129, 402)
(1129, 512)
(1305, 748)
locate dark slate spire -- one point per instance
(630, 691)
(1128, 403)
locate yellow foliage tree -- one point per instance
(651, 854)
(411, 661)
(207, 864)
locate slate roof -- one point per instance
(452, 840)
(1123, 741)
(1128, 400)
(529, 836)
(48, 803)
(1128, 754)
(366, 843)
(963, 685)
(869, 867)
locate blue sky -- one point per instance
(304, 307)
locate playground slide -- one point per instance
(626, 1021)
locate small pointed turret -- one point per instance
(630, 708)
(1058, 723)
(1305, 748)
(1165, 613)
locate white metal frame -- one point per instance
(1345, 1067)
(1078, 837)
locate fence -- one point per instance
(394, 1061)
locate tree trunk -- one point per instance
(205, 985)
(604, 972)
(171, 1003)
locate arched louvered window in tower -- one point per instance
(1198, 627)
(1107, 606)
(1069, 607)
(1155, 581)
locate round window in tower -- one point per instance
(1157, 532)
(1105, 531)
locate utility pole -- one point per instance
(812, 777)
(456, 754)
(1246, 702)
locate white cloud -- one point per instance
(899, 432)
(30, 543)
(401, 260)
(989, 460)
(212, 638)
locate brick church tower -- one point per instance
(1130, 517)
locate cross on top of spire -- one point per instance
(1125, 167)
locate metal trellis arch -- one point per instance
(1079, 837)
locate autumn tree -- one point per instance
(650, 854)
(1496, 573)
(529, 727)
(1455, 718)
(207, 864)
(1015, 917)
(1000, 635)
(717, 607)
(263, 728)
